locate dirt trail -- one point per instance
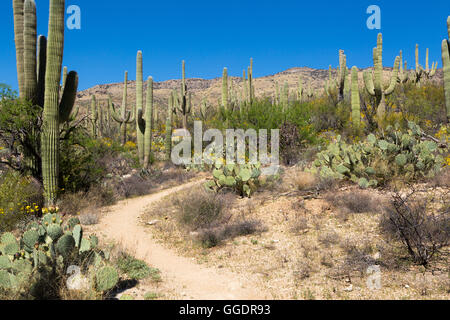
(180, 274)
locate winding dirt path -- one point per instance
(180, 274)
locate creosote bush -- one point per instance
(421, 225)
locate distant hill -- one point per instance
(211, 89)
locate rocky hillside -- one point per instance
(211, 89)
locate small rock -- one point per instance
(153, 222)
(194, 234)
(377, 256)
(406, 286)
(127, 176)
(349, 288)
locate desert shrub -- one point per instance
(134, 268)
(20, 200)
(289, 143)
(442, 179)
(328, 238)
(355, 201)
(426, 104)
(198, 208)
(212, 237)
(328, 116)
(422, 229)
(263, 114)
(84, 161)
(89, 219)
(304, 181)
(358, 257)
(375, 161)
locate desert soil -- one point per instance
(182, 278)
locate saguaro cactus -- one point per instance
(139, 105)
(403, 75)
(300, 89)
(147, 123)
(446, 64)
(125, 117)
(420, 72)
(225, 89)
(341, 84)
(168, 138)
(184, 106)
(94, 117)
(374, 82)
(356, 103)
(55, 111)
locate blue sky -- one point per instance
(211, 35)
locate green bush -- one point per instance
(134, 268)
(424, 105)
(20, 199)
(376, 161)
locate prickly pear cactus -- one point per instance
(377, 160)
(106, 278)
(49, 245)
(243, 178)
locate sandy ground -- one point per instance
(182, 277)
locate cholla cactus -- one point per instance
(125, 117)
(446, 64)
(374, 82)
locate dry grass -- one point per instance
(308, 252)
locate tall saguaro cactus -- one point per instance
(125, 117)
(94, 117)
(145, 123)
(39, 76)
(139, 105)
(341, 84)
(300, 89)
(54, 110)
(403, 75)
(184, 107)
(374, 82)
(168, 138)
(446, 64)
(356, 102)
(225, 89)
(420, 72)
